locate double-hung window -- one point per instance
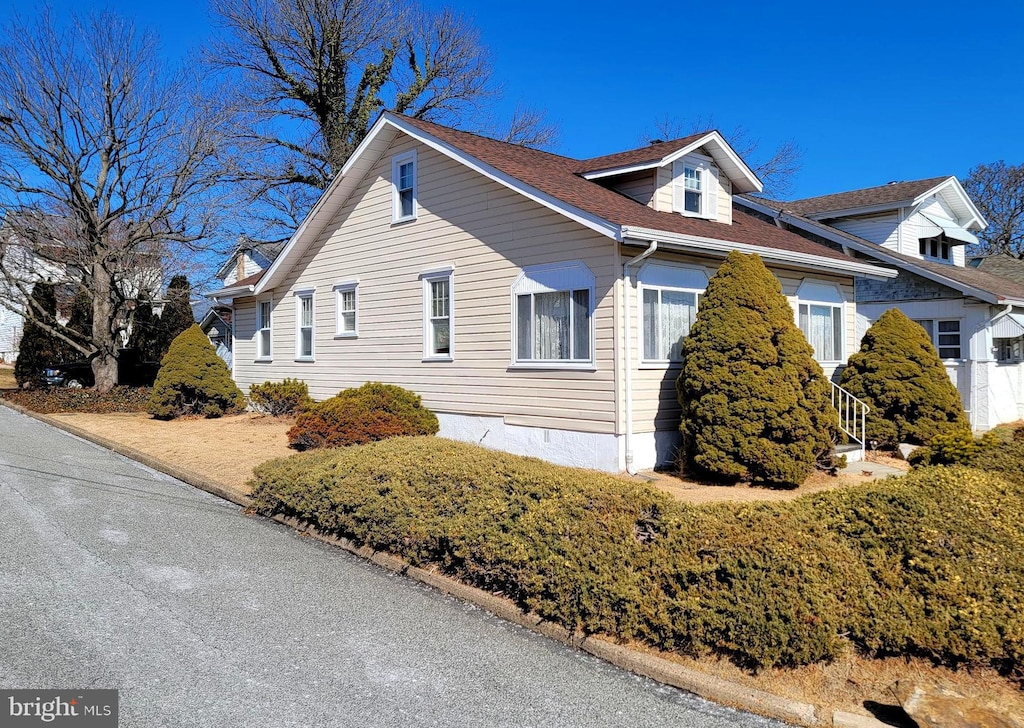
(346, 301)
(820, 317)
(263, 309)
(553, 311)
(304, 325)
(403, 182)
(945, 335)
(695, 187)
(438, 315)
(669, 296)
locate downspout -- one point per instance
(629, 351)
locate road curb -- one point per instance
(718, 690)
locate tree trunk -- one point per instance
(104, 332)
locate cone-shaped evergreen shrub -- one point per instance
(899, 374)
(194, 380)
(356, 416)
(39, 348)
(755, 403)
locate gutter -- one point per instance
(230, 292)
(809, 261)
(627, 281)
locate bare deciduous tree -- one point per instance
(776, 170)
(998, 191)
(110, 163)
(317, 72)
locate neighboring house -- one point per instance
(974, 314)
(536, 302)
(20, 267)
(248, 258)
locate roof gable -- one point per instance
(890, 197)
(662, 154)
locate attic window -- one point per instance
(695, 187)
(403, 181)
(937, 248)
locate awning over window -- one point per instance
(950, 229)
(1009, 326)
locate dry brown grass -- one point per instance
(227, 449)
(7, 380)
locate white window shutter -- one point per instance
(678, 188)
(711, 193)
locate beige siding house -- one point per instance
(534, 301)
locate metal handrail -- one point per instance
(852, 415)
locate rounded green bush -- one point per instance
(355, 416)
(279, 399)
(755, 403)
(899, 374)
(193, 380)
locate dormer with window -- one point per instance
(695, 176)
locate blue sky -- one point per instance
(871, 91)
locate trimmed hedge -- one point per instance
(60, 399)
(356, 416)
(280, 399)
(931, 564)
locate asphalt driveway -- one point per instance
(115, 576)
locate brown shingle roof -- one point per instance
(556, 176)
(643, 155)
(1001, 264)
(997, 285)
(869, 196)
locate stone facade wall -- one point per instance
(904, 287)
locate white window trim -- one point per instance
(309, 293)
(709, 186)
(820, 300)
(1011, 343)
(646, 363)
(575, 268)
(428, 277)
(269, 327)
(396, 203)
(940, 241)
(339, 288)
(935, 337)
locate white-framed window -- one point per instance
(552, 308)
(669, 296)
(403, 185)
(304, 329)
(820, 316)
(1009, 350)
(263, 330)
(945, 335)
(937, 248)
(438, 315)
(346, 304)
(695, 187)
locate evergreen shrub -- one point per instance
(899, 374)
(755, 403)
(931, 564)
(355, 416)
(39, 348)
(193, 380)
(280, 399)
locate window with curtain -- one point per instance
(263, 330)
(304, 325)
(554, 326)
(668, 315)
(822, 325)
